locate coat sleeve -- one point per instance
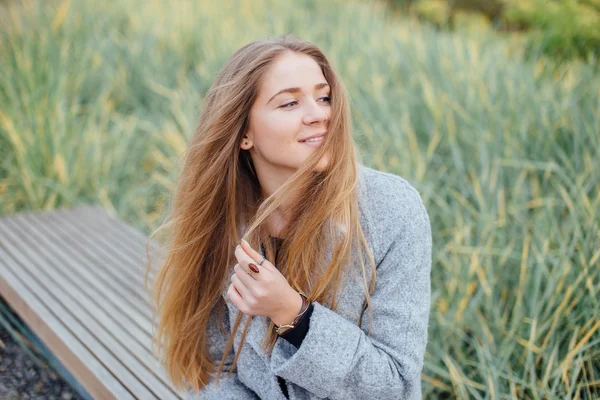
(338, 360)
(229, 387)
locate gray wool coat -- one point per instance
(337, 360)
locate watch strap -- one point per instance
(280, 329)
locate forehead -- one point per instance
(291, 70)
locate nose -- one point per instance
(316, 112)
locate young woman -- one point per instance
(325, 238)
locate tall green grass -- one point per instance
(98, 100)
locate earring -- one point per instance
(245, 142)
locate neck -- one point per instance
(276, 223)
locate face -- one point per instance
(281, 118)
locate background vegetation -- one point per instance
(563, 29)
(98, 100)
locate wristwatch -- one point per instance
(281, 329)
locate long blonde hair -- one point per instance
(218, 193)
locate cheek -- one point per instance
(276, 135)
(268, 123)
(279, 132)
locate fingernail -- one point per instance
(247, 244)
(253, 268)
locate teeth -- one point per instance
(314, 139)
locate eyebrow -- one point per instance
(296, 90)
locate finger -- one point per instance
(235, 290)
(236, 298)
(245, 278)
(243, 259)
(242, 289)
(253, 254)
(241, 255)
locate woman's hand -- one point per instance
(266, 293)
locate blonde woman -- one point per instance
(281, 240)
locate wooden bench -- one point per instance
(76, 278)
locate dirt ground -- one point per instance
(21, 378)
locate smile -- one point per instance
(314, 139)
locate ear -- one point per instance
(246, 143)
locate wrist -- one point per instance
(290, 312)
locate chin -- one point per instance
(323, 163)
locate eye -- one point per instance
(326, 98)
(286, 105)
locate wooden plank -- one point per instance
(90, 217)
(115, 252)
(97, 237)
(59, 232)
(106, 267)
(131, 245)
(60, 238)
(136, 237)
(136, 241)
(85, 291)
(109, 244)
(85, 272)
(108, 350)
(61, 338)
